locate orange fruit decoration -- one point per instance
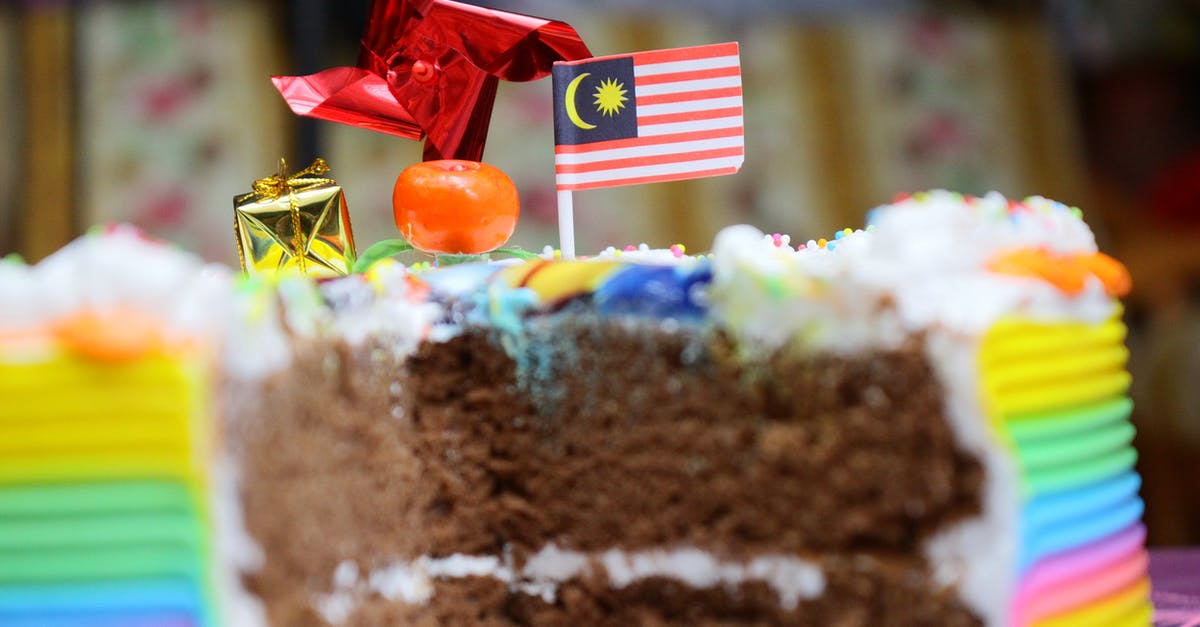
(454, 206)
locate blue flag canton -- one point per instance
(594, 101)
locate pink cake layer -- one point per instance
(1076, 577)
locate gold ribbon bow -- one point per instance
(272, 187)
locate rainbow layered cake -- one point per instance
(105, 434)
(921, 422)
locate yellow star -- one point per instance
(610, 97)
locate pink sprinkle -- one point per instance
(778, 239)
(676, 250)
(802, 247)
(630, 248)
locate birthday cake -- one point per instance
(921, 422)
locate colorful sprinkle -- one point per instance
(822, 242)
(678, 250)
(630, 248)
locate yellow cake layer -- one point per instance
(1035, 369)
(1039, 370)
(1062, 395)
(68, 370)
(1127, 608)
(101, 466)
(70, 387)
(1022, 339)
(70, 419)
(150, 431)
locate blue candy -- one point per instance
(656, 291)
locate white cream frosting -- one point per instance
(383, 308)
(235, 552)
(21, 295)
(793, 579)
(643, 253)
(269, 311)
(118, 268)
(922, 265)
(976, 556)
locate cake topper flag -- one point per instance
(646, 117)
(430, 68)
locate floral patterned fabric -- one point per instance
(176, 116)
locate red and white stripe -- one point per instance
(689, 121)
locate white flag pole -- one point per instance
(566, 223)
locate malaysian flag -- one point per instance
(646, 117)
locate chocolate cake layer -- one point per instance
(599, 435)
(645, 439)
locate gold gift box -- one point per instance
(295, 221)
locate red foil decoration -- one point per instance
(430, 68)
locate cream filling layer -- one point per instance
(793, 579)
(977, 555)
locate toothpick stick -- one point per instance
(566, 224)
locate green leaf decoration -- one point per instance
(518, 253)
(448, 259)
(377, 251)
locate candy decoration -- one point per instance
(118, 335)
(1068, 273)
(557, 281)
(655, 291)
(1112, 273)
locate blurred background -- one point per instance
(158, 112)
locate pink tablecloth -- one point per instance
(1175, 587)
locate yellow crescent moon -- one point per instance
(569, 97)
